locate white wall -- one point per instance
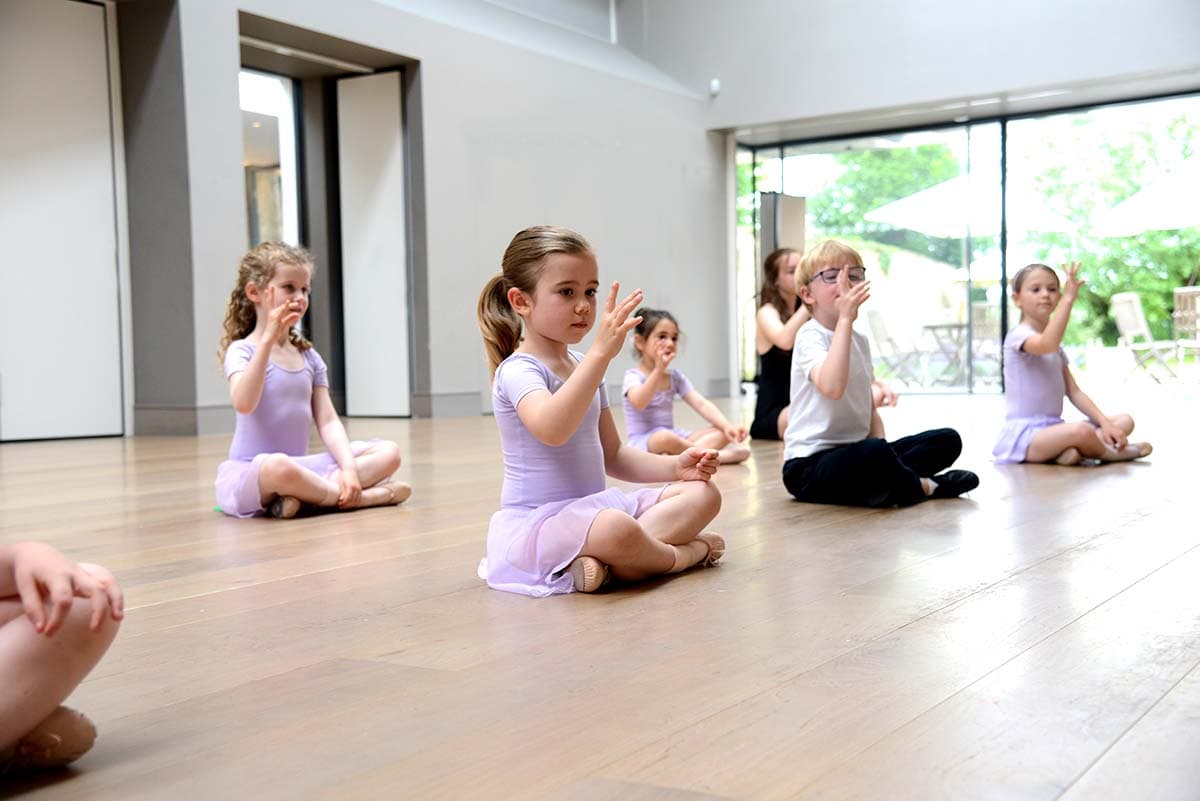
(512, 138)
(785, 60)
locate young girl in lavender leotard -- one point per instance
(279, 388)
(1036, 377)
(559, 529)
(650, 390)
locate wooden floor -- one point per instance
(1039, 640)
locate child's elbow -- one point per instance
(244, 407)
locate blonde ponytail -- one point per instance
(499, 324)
(521, 268)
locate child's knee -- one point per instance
(1082, 433)
(950, 441)
(614, 531)
(78, 636)
(708, 497)
(277, 468)
(391, 453)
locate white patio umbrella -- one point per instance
(946, 209)
(1170, 201)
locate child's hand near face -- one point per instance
(281, 318)
(850, 296)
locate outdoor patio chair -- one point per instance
(1135, 334)
(903, 363)
(1187, 320)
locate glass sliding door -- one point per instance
(923, 210)
(269, 157)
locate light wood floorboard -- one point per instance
(1038, 640)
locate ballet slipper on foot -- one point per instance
(400, 491)
(1143, 448)
(716, 548)
(1071, 456)
(588, 573)
(63, 737)
(284, 507)
(733, 453)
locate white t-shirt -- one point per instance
(815, 422)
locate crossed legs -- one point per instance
(1057, 442)
(667, 441)
(667, 538)
(37, 672)
(280, 475)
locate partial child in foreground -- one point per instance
(1037, 377)
(650, 390)
(49, 641)
(279, 388)
(559, 529)
(834, 447)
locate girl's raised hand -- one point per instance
(49, 582)
(615, 323)
(735, 433)
(664, 356)
(281, 318)
(1073, 283)
(850, 296)
(696, 464)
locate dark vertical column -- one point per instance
(160, 247)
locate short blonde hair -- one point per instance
(823, 255)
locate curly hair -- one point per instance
(258, 267)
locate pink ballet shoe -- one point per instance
(63, 737)
(716, 548)
(588, 573)
(284, 507)
(400, 491)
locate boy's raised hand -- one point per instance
(615, 323)
(850, 296)
(696, 464)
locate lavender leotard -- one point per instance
(550, 494)
(279, 424)
(1034, 387)
(659, 414)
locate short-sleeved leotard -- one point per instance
(281, 423)
(1034, 386)
(550, 494)
(659, 414)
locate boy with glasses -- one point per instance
(834, 447)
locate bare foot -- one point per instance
(733, 453)
(1071, 456)
(588, 573)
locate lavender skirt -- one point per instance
(528, 550)
(642, 441)
(238, 494)
(1016, 435)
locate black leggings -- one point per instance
(872, 472)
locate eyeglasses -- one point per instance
(856, 275)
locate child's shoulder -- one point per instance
(1017, 336)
